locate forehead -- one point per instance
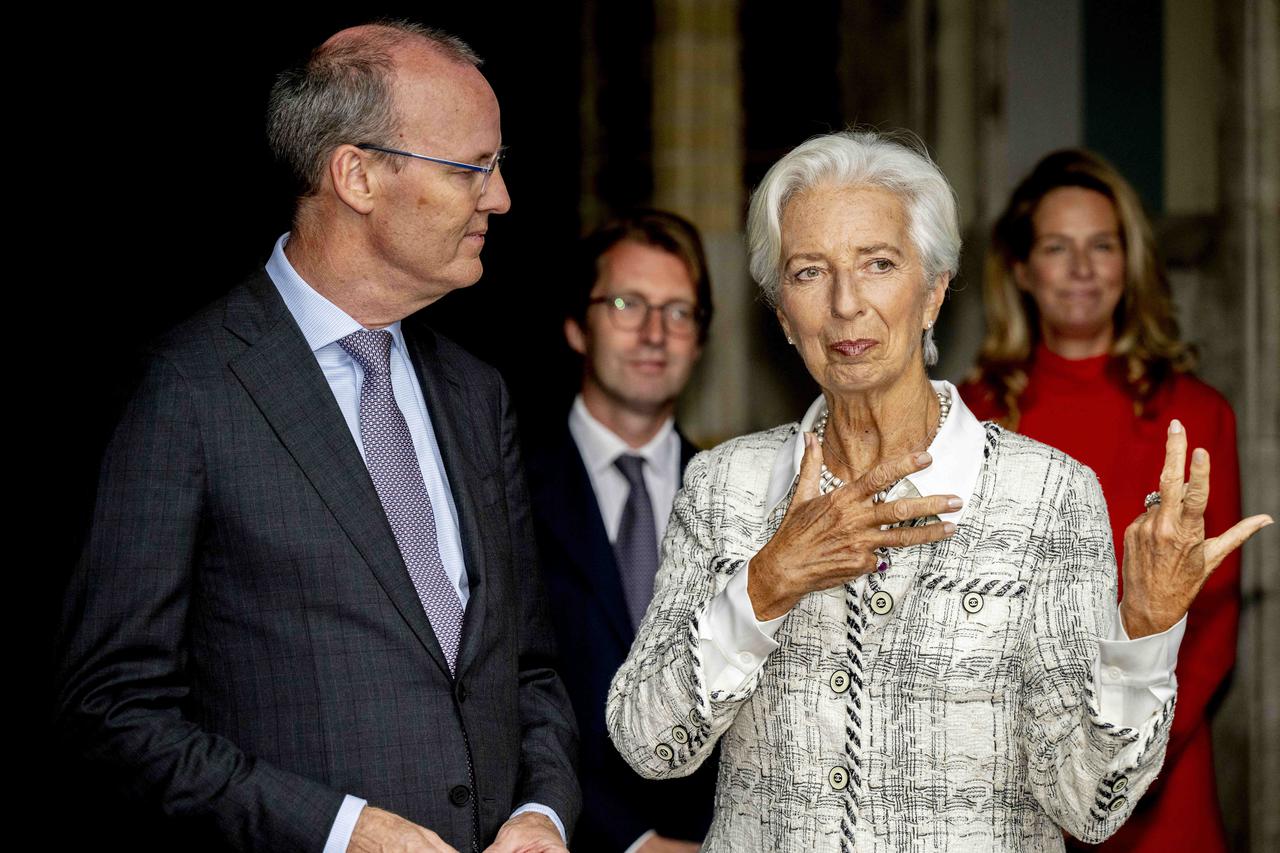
(445, 106)
(635, 267)
(1074, 208)
(828, 216)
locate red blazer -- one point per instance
(1082, 409)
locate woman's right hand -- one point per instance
(827, 540)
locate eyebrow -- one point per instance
(879, 247)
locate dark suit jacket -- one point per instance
(242, 644)
(595, 634)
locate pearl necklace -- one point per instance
(829, 482)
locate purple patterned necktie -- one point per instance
(637, 546)
(393, 466)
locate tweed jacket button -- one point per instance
(839, 681)
(664, 751)
(459, 795)
(972, 602)
(881, 603)
(1118, 803)
(839, 778)
(680, 734)
(1119, 784)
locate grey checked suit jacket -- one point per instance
(242, 644)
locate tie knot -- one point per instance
(371, 348)
(632, 467)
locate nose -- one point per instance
(1081, 263)
(495, 198)
(653, 331)
(846, 301)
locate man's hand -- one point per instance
(662, 844)
(379, 831)
(528, 832)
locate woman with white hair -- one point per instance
(898, 622)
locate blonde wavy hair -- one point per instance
(1146, 348)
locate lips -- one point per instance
(851, 349)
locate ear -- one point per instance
(934, 298)
(1021, 277)
(575, 336)
(786, 325)
(350, 178)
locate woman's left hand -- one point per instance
(1166, 557)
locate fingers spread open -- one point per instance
(889, 472)
(1217, 549)
(1175, 464)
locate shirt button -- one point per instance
(881, 603)
(664, 751)
(839, 778)
(839, 681)
(1118, 803)
(746, 658)
(680, 734)
(459, 795)
(1114, 673)
(1119, 784)
(972, 602)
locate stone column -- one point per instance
(1247, 730)
(697, 172)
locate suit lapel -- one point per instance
(280, 373)
(573, 516)
(450, 404)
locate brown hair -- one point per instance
(1146, 348)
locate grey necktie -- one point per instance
(636, 548)
(393, 466)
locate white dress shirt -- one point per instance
(1135, 677)
(599, 447)
(323, 324)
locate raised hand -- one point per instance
(826, 540)
(1167, 558)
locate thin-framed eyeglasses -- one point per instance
(629, 312)
(482, 173)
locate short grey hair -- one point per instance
(898, 163)
(343, 95)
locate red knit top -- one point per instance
(1083, 409)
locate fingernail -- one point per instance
(1175, 426)
(808, 440)
(1200, 455)
(922, 458)
(948, 528)
(955, 503)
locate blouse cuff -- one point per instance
(733, 642)
(1136, 678)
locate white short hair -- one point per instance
(868, 159)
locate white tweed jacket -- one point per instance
(947, 704)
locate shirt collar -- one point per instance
(600, 446)
(320, 320)
(956, 451)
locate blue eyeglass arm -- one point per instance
(364, 146)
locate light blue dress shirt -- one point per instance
(323, 324)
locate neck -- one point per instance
(339, 271)
(1075, 346)
(868, 428)
(634, 426)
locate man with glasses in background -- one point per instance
(638, 309)
(304, 617)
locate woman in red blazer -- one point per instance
(1082, 352)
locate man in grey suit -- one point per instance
(306, 616)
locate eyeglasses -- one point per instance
(482, 173)
(629, 312)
